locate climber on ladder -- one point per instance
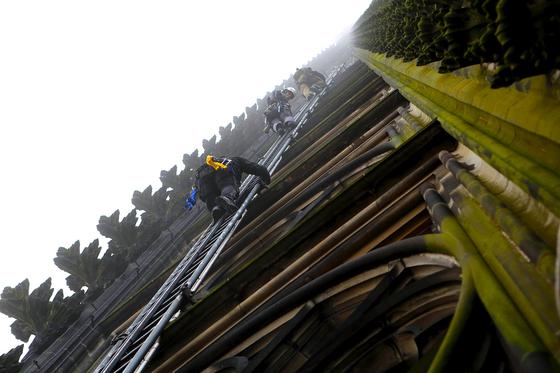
(310, 82)
(278, 115)
(217, 183)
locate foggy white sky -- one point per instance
(96, 98)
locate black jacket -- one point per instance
(206, 176)
(240, 165)
(277, 100)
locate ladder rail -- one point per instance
(201, 274)
(157, 299)
(275, 161)
(209, 245)
(220, 243)
(160, 297)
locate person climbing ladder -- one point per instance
(310, 82)
(278, 114)
(217, 183)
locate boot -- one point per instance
(226, 204)
(278, 128)
(281, 129)
(217, 213)
(289, 126)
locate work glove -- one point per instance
(191, 200)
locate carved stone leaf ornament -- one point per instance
(9, 362)
(36, 314)
(86, 268)
(122, 233)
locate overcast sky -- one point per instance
(97, 97)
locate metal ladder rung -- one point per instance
(124, 360)
(160, 312)
(192, 259)
(198, 252)
(222, 224)
(189, 254)
(205, 248)
(191, 271)
(119, 368)
(146, 332)
(211, 241)
(199, 259)
(148, 327)
(171, 296)
(151, 304)
(140, 339)
(215, 236)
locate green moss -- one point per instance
(538, 252)
(523, 157)
(512, 325)
(525, 286)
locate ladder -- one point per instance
(132, 349)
